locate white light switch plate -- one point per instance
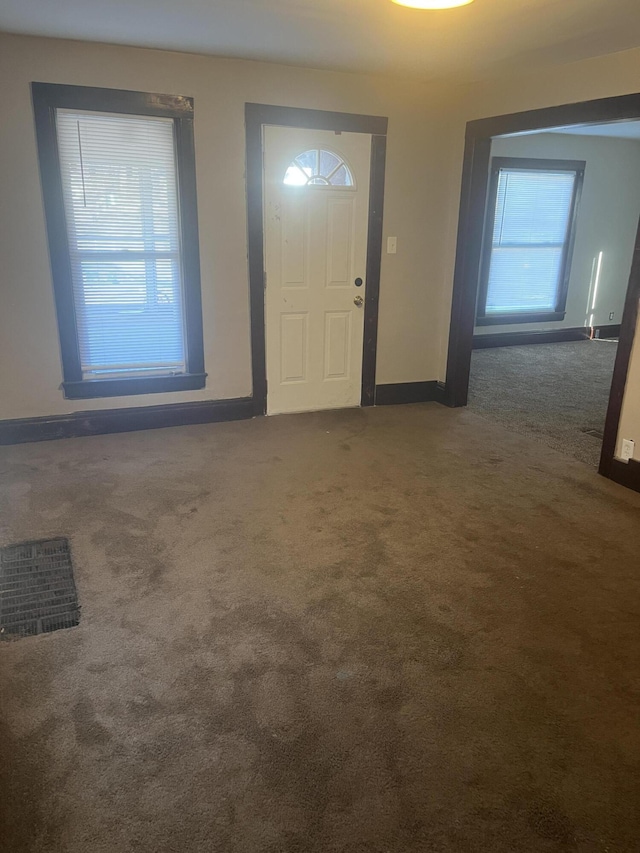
(392, 244)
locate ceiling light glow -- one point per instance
(432, 4)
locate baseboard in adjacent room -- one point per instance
(552, 336)
(606, 331)
(409, 392)
(98, 422)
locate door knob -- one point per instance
(358, 300)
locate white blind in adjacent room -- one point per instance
(530, 229)
(121, 205)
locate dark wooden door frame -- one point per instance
(256, 117)
(475, 178)
(609, 465)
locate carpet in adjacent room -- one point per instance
(556, 393)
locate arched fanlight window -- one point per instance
(318, 167)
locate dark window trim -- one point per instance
(529, 164)
(92, 388)
(475, 174)
(525, 317)
(256, 116)
(47, 97)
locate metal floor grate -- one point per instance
(37, 589)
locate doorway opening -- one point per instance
(547, 277)
(315, 193)
(560, 228)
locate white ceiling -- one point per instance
(359, 35)
(618, 130)
(613, 129)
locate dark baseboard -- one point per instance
(612, 331)
(409, 392)
(553, 336)
(625, 473)
(124, 420)
(518, 339)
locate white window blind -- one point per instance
(121, 206)
(530, 230)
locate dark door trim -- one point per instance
(608, 466)
(256, 117)
(475, 179)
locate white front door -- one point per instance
(316, 191)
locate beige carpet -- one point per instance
(373, 631)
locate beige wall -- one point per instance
(607, 222)
(416, 192)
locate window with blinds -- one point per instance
(527, 258)
(119, 191)
(120, 198)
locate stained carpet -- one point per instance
(395, 630)
(556, 393)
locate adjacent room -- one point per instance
(560, 229)
(299, 552)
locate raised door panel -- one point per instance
(294, 348)
(337, 345)
(295, 240)
(339, 250)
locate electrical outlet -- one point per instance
(612, 315)
(628, 446)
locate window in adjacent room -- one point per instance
(118, 178)
(529, 240)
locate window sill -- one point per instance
(510, 319)
(127, 387)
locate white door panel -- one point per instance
(337, 344)
(294, 354)
(315, 248)
(341, 214)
